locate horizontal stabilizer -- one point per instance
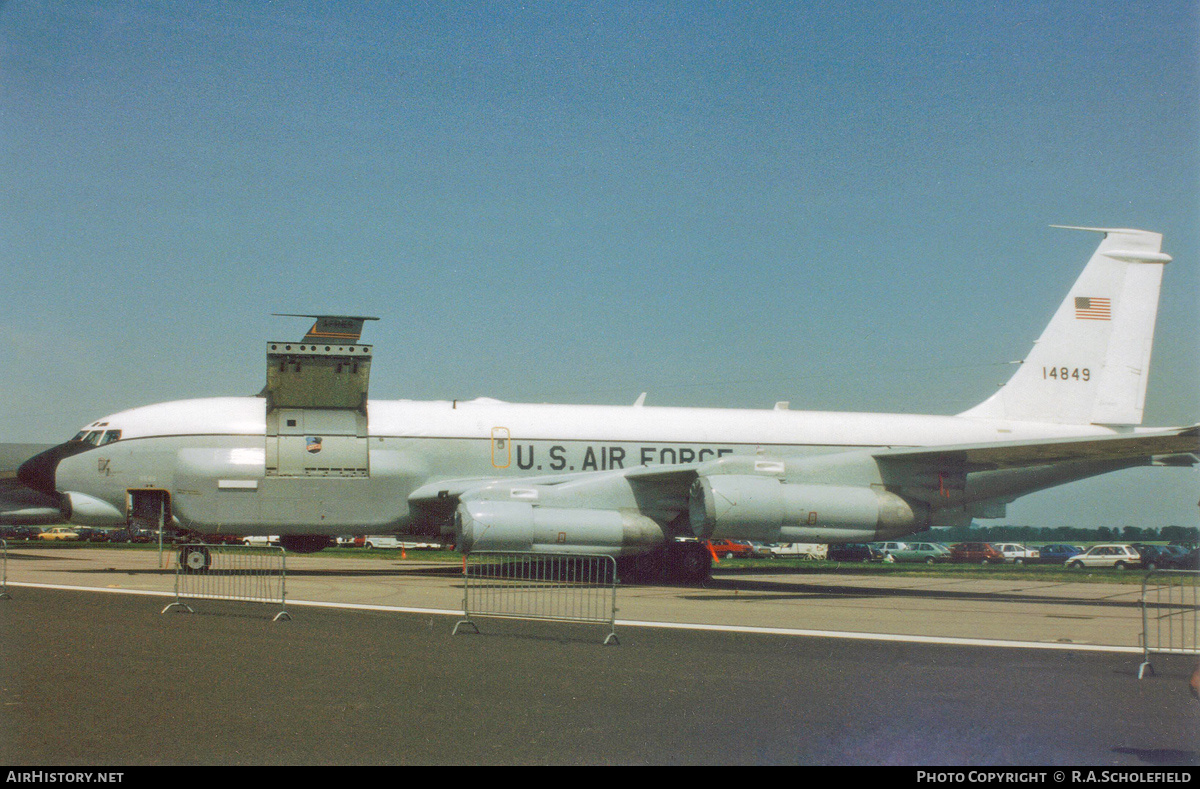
(1178, 443)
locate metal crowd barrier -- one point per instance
(225, 572)
(551, 586)
(1169, 615)
(4, 595)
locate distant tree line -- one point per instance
(1068, 534)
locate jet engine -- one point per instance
(87, 510)
(765, 509)
(483, 525)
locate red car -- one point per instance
(975, 553)
(728, 549)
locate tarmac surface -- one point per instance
(770, 668)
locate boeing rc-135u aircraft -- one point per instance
(311, 456)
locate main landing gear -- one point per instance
(688, 563)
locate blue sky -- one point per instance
(842, 205)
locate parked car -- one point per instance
(419, 544)
(382, 541)
(151, 536)
(759, 550)
(853, 552)
(887, 548)
(59, 533)
(1166, 557)
(223, 539)
(800, 550)
(1016, 553)
(142, 536)
(1057, 553)
(1112, 555)
(259, 540)
(920, 552)
(729, 549)
(975, 553)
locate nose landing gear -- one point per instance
(194, 559)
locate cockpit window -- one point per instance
(96, 438)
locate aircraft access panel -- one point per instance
(317, 409)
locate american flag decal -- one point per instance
(1090, 308)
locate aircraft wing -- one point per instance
(661, 492)
(1175, 446)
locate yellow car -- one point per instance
(59, 533)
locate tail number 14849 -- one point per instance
(1067, 373)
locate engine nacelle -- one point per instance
(765, 509)
(87, 510)
(517, 526)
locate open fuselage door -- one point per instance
(317, 406)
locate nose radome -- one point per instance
(39, 471)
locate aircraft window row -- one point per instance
(97, 438)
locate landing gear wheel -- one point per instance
(194, 559)
(646, 568)
(692, 563)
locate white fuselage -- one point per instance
(210, 454)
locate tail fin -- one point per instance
(1090, 364)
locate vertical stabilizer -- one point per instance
(1091, 363)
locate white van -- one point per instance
(382, 541)
(800, 550)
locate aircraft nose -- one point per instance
(39, 471)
